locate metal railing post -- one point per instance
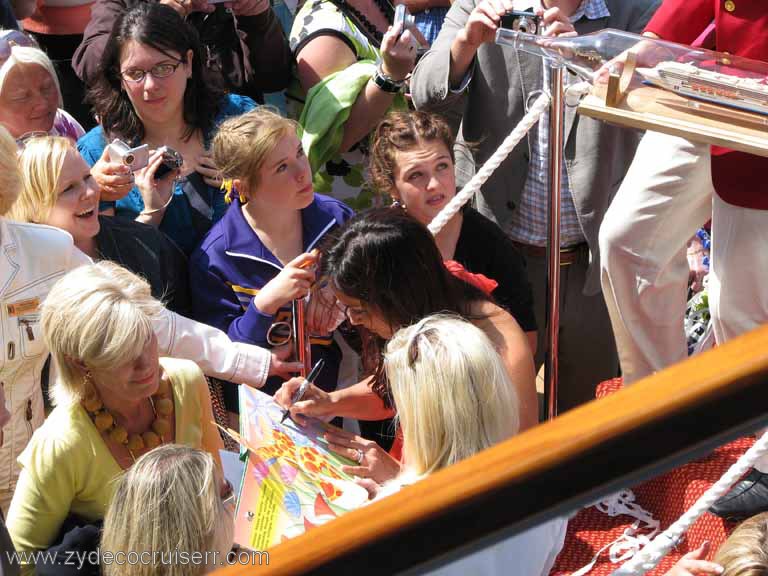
(556, 130)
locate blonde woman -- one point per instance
(32, 258)
(454, 399)
(114, 399)
(259, 257)
(173, 500)
(60, 191)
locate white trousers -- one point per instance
(666, 196)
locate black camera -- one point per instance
(172, 160)
(526, 22)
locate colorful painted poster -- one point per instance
(292, 482)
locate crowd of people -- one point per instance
(159, 222)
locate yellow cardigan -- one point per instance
(67, 467)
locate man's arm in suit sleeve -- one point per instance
(430, 85)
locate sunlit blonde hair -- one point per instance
(453, 395)
(100, 315)
(745, 552)
(168, 501)
(10, 175)
(24, 56)
(243, 142)
(41, 162)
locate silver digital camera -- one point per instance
(134, 158)
(138, 157)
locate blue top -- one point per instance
(232, 264)
(183, 224)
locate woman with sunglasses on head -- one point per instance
(454, 399)
(174, 499)
(153, 90)
(387, 271)
(30, 97)
(412, 161)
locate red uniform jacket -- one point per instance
(739, 178)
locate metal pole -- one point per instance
(556, 129)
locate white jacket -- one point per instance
(32, 259)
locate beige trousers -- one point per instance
(665, 197)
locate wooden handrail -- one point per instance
(554, 468)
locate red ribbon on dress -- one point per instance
(479, 281)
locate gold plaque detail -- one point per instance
(730, 5)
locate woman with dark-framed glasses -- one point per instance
(154, 91)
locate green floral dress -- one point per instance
(322, 113)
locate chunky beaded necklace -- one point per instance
(162, 408)
(383, 5)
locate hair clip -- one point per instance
(228, 185)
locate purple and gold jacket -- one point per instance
(231, 265)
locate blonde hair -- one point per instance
(100, 315)
(167, 502)
(745, 553)
(453, 395)
(26, 55)
(242, 143)
(10, 175)
(41, 162)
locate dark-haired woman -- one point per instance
(388, 273)
(154, 90)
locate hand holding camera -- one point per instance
(114, 178)
(155, 181)
(489, 15)
(398, 49)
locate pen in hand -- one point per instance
(311, 377)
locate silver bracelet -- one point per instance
(156, 210)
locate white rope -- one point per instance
(649, 556)
(449, 211)
(633, 538)
(572, 96)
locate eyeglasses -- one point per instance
(136, 75)
(11, 38)
(350, 311)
